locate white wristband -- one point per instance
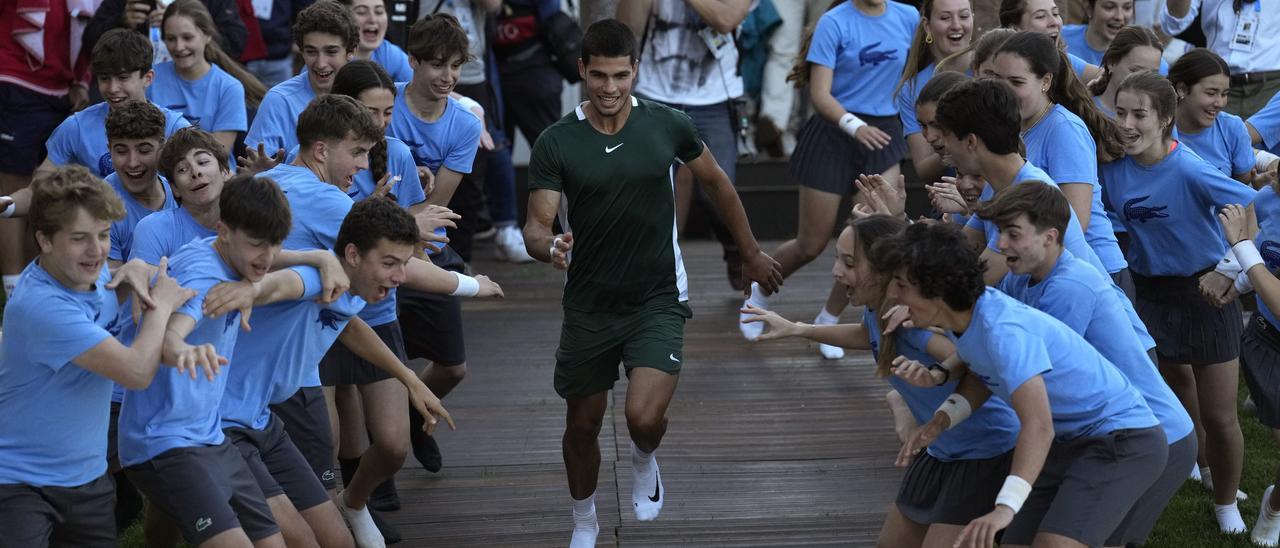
(1263, 159)
(1228, 266)
(1247, 255)
(1243, 284)
(467, 286)
(8, 211)
(1013, 493)
(956, 408)
(850, 123)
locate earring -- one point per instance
(928, 38)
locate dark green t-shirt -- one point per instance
(621, 204)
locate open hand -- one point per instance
(257, 161)
(921, 439)
(489, 288)
(193, 360)
(981, 532)
(230, 296)
(777, 326)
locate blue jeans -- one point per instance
(715, 125)
(500, 182)
(272, 71)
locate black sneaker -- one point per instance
(425, 448)
(385, 498)
(390, 534)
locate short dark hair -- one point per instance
(185, 140)
(135, 120)
(937, 259)
(328, 17)
(376, 218)
(984, 107)
(438, 36)
(1196, 65)
(938, 86)
(120, 51)
(608, 38)
(332, 118)
(256, 206)
(1044, 205)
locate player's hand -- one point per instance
(946, 198)
(429, 219)
(333, 279)
(486, 140)
(136, 274)
(257, 160)
(165, 291)
(428, 180)
(561, 245)
(1217, 288)
(489, 288)
(981, 532)
(915, 373)
(384, 185)
(777, 326)
(1235, 223)
(193, 360)
(871, 137)
(897, 316)
(155, 17)
(890, 199)
(231, 296)
(428, 405)
(760, 268)
(921, 439)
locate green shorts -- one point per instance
(593, 343)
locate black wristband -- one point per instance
(946, 373)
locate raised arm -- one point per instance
(722, 16)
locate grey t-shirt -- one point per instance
(472, 20)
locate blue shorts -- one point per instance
(27, 119)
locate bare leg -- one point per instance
(329, 527)
(581, 445)
(898, 531)
(296, 532)
(386, 408)
(1217, 387)
(649, 394)
(818, 213)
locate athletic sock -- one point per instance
(1195, 473)
(585, 528)
(1229, 520)
(828, 351)
(363, 528)
(10, 281)
(752, 331)
(1266, 532)
(646, 485)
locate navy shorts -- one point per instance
(27, 119)
(81, 516)
(340, 366)
(431, 323)
(277, 465)
(305, 417)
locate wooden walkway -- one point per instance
(768, 445)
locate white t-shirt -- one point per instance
(676, 64)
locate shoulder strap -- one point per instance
(436, 9)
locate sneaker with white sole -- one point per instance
(1266, 532)
(509, 245)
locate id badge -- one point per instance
(1246, 31)
(719, 43)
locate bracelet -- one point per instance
(1246, 254)
(851, 124)
(956, 408)
(467, 286)
(1263, 159)
(1014, 492)
(946, 373)
(9, 211)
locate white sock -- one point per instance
(10, 281)
(828, 351)
(1266, 532)
(366, 533)
(758, 298)
(646, 485)
(1229, 520)
(1195, 473)
(752, 331)
(585, 528)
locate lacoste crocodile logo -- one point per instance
(1135, 212)
(868, 55)
(330, 319)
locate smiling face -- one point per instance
(75, 254)
(863, 285)
(1201, 104)
(926, 116)
(249, 257)
(118, 89)
(343, 159)
(970, 187)
(371, 20)
(1042, 16)
(437, 76)
(1108, 17)
(608, 82)
(1030, 89)
(962, 152)
(197, 178)
(1139, 122)
(185, 42)
(135, 162)
(950, 25)
(324, 54)
(377, 271)
(380, 102)
(1027, 250)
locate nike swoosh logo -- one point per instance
(674, 358)
(657, 489)
(609, 150)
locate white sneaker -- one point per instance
(509, 245)
(750, 331)
(585, 531)
(1266, 532)
(647, 506)
(366, 532)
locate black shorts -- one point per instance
(305, 417)
(277, 465)
(341, 366)
(81, 516)
(1260, 362)
(828, 159)
(1088, 485)
(205, 490)
(1123, 279)
(431, 323)
(27, 119)
(955, 492)
(1142, 518)
(1185, 326)
(113, 431)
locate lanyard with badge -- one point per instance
(1246, 26)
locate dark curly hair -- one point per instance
(373, 219)
(328, 17)
(135, 120)
(937, 260)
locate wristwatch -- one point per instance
(946, 373)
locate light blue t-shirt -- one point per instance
(907, 99)
(214, 102)
(1266, 206)
(1078, 295)
(408, 193)
(451, 141)
(1007, 343)
(122, 231)
(176, 411)
(1170, 210)
(991, 430)
(1267, 123)
(1061, 145)
(1225, 144)
(276, 123)
(865, 53)
(394, 60)
(1078, 46)
(55, 428)
(276, 359)
(82, 138)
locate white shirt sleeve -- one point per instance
(1177, 25)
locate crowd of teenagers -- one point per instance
(218, 284)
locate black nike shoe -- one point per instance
(384, 497)
(390, 534)
(425, 448)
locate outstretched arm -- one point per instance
(365, 343)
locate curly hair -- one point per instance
(185, 140)
(328, 17)
(56, 195)
(937, 260)
(135, 120)
(373, 219)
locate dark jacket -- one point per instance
(225, 15)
